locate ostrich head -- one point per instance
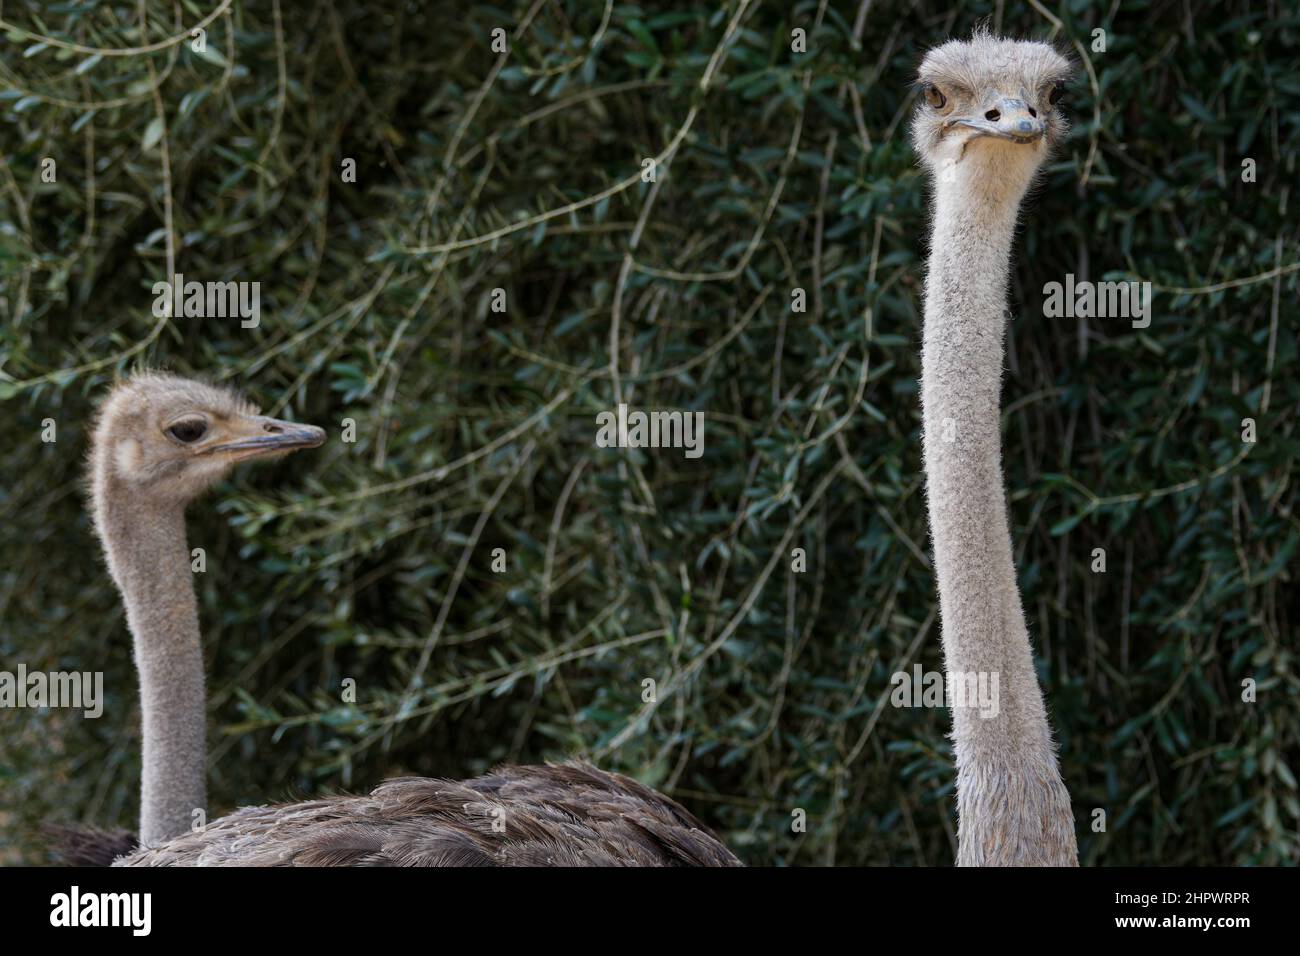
(167, 439)
(160, 442)
(989, 110)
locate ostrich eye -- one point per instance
(188, 431)
(1058, 90)
(934, 96)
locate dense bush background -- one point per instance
(476, 430)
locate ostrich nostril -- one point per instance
(993, 116)
(273, 429)
(1033, 112)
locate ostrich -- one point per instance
(161, 441)
(987, 119)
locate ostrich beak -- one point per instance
(256, 436)
(1009, 119)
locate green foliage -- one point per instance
(475, 430)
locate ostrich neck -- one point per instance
(961, 379)
(150, 562)
(1004, 754)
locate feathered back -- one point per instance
(556, 815)
(76, 845)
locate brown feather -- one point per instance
(76, 845)
(555, 815)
